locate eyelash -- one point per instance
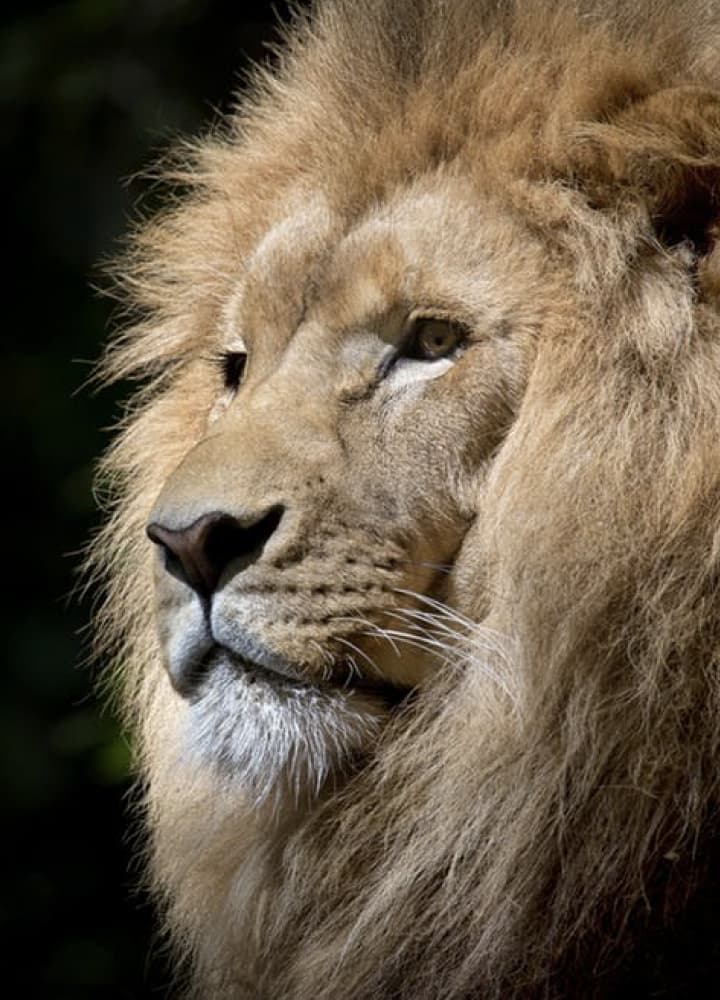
(231, 365)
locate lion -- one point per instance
(415, 554)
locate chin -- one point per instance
(279, 738)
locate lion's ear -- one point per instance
(664, 150)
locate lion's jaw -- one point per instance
(375, 464)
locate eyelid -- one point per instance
(420, 312)
(234, 345)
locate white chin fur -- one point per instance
(277, 739)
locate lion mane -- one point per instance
(538, 816)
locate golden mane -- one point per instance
(533, 840)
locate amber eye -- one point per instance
(430, 339)
(232, 366)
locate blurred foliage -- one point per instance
(90, 90)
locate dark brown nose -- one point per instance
(200, 553)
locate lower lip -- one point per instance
(277, 679)
(252, 670)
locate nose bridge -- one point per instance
(294, 405)
(262, 452)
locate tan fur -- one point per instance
(548, 175)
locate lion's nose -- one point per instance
(200, 553)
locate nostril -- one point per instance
(230, 538)
(200, 553)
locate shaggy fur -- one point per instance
(540, 819)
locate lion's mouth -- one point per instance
(264, 667)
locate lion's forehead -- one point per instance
(431, 244)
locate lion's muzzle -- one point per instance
(204, 555)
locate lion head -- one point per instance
(423, 644)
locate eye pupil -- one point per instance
(431, 339)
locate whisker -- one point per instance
(438, 567)
(326, 659)
(360, 652)
(418, 640)
(473, 639)
(440, 607)
(353, 669)
(432, 620)
(367, 623)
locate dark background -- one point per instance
(91, 91)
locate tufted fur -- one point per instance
(540, 819)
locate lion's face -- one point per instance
(365, 376)
(428, 450)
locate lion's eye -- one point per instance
(429, 339)
(232, 365)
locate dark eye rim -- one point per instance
(409, 348)
(232, 366)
